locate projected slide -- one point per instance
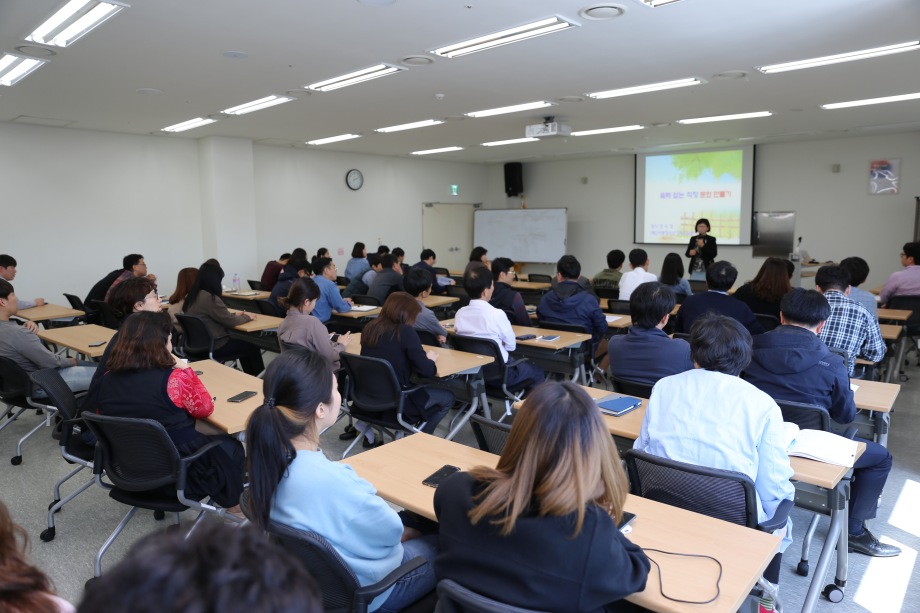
(677, 189)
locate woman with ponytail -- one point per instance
(293, 483)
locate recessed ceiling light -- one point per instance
(257, 105)
(510, 109)
(410, 126)
(868, 101)
(730, 75)
(417, 60)
(841, 57)
(298, 93)
(725, 117)
(600, 12)
(235, 55)
(570, 99)
(15, 68)
(513, 141)
(642, 89)
(333, 139)
(35, 51)
(504, 37)
(188, 125)
(149, 90)
(441, 150)
(74, 20)
(352, 78)
(606, 130)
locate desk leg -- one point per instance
(882, 424)
(836, 535)
(899, 360)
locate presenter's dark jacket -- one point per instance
(792, 363)
(645, 355)
(569, 303)
(539, 565)
(698, 304)
(708, 252)
(510, 301)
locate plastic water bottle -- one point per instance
(236, 283)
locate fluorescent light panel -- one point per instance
(511, 35)
(607, 130)
(333, 139)
(441, 150)
(510, 109)
(868, 101)
(513, 141)
(641, 89)
(852, 56)
(190, 124)
(257, 105)
(15, 68)
(410, 126)
(725, 117)
(352, 78)
(74, 20)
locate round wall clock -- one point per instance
(354, 179)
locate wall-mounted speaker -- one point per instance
(514, 179)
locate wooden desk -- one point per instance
(222, 383)
(48, 311)
(890, 332)
(894, 314)
(450, 361)
(397, 470)
(618, 322)
(260, 323)
(247, 295)
(565, 340)
(876, 290)
(876, 395)
(433, 302)
(531, 286)
(353, 314)
(78, 338)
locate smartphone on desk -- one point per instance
(625, 518)
(549, 338)
(526, 337)
(241, 397)
(435, 479)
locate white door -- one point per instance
(448, 229)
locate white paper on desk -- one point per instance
(363, 307)
(612, 318)
(444, 280)
(854, 387)
(821, 446)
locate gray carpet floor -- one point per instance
(876, 585)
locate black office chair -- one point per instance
(76, 303)
(698, 287)
(537, 278)
(683, 335)
(495, 373)
(68, 431)
(428, 338)
(632, 388)
(454, 598)
(107, 315)
(457, 291)
(605, 293)
(618, 307)
(909, 303)
(265, 307)
(366, 300)
(767, 322)
(441, 271)
(145, 470)
(342, 281)
(254, 285)
(491, 436)
(376, 396)
(198, 343)
(16, 391)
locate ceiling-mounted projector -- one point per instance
(547, 129)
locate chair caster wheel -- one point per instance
(833, 593)
(52, 503)
(159, 515)
(802, 568)
(47, 535)
(16, 460)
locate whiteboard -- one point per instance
(524, 235)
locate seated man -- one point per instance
(273, 270)
(330, 299)
(638, 274)
(695, 417)
(791, 363)
(134, 266)
(504, 297)
(102, 286)
(8, 273)
(388, 280)
(645, 354)
(720, 277)
(570, 303)
(400, 254)
(858, 269)
(361, 284)
(849, 326)
(904, 282)
(609, 278)
(483, 320)
(22, 345)
(427, 260)
(418, 285)
(293, 270)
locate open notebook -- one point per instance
(819, 445)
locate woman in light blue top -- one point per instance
(672, 275)
(293, 483)
(358, 264)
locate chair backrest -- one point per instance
(491, 436)
(679, 298)
(767, 322)
(76, 303)
(323, 562)
(441, 271)
(255, 285)
(457, 291)
(618, 307)
(535, 278)
(698, 287)
(910, 303)
(267, 308)
(197, 338)
(723, 494)
(366, 300)
(805, 416)
(633, 388)
(342, 280)
(372, 383)
(683, 335)
(137, 454)
(454, 598)
(61, 396)
(108, 317)
(605, 293)
(841, 352)
(289, 346)
(15, 385)
(427, 338)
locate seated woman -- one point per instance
(301, 328)
(766, 291)
(392, 337)
(358, 264)
(145, 380)
(478, 258)
(184, 283)
(539, 531)
(672, 275)
(293, 483)
(204, 301)
(321, 253)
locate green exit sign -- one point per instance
(454, 190)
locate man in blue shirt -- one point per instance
(645, 354)
(329, 297)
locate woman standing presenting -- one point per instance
(702, 250)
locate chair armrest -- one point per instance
(849, 433)
(779, 519)
(364, 595)
(186, 461)
(516, 361)
(66, 429)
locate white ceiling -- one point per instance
(177, 46)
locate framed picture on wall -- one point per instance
(884, 176)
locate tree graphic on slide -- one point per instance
(692, 166)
